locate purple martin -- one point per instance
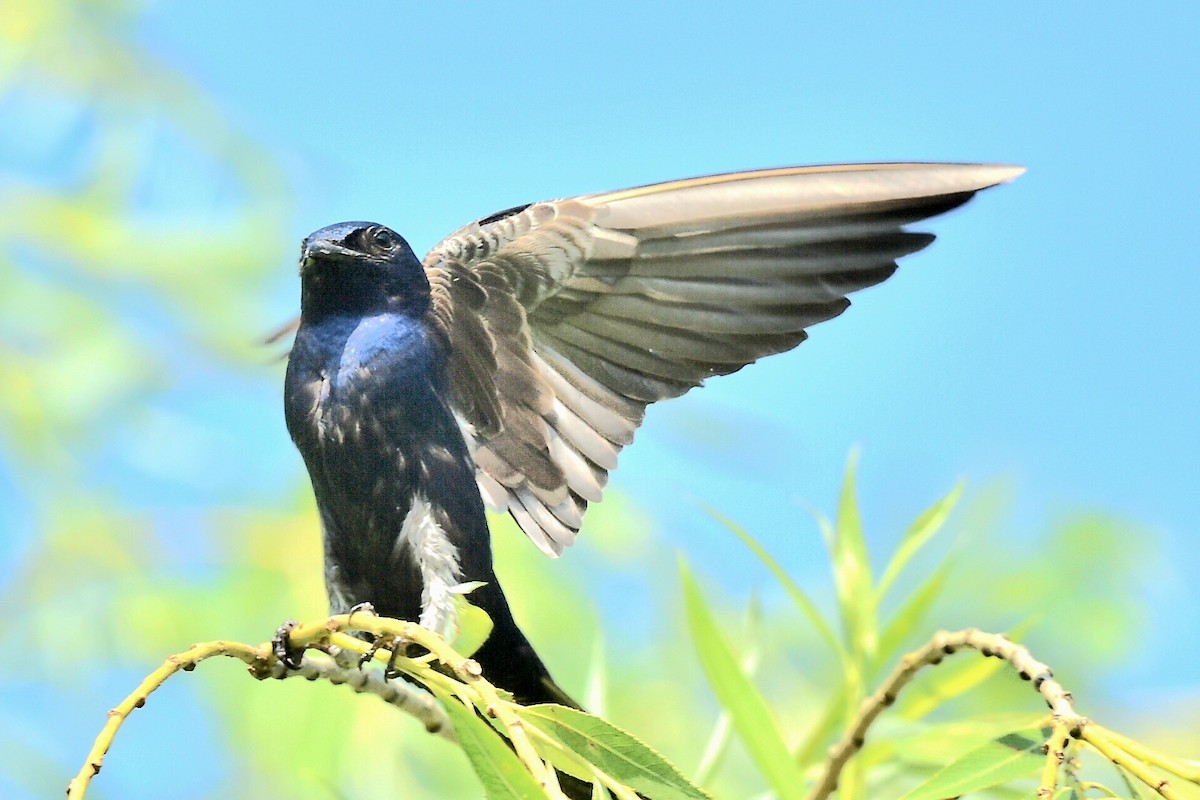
(511, 365)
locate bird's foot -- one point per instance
(287, 655)
(398, 648)
(360, 608)
(377, 644)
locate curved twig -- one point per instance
(943, 644)
(332, 654)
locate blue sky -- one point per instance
(1049, 338)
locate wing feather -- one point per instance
(565, 319)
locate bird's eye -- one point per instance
(383, 239)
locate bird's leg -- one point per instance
(287, 655)
(400, 648)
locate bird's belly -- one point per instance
(389, 534)
(410, 572)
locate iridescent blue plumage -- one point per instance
(365, 402)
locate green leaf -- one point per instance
(852, 570)
(474, 625)
(502, 774)
(595, 685)
(913, 612)
(811, 750)
(1188, 769)
(1131, 783)
(718, 740)
(752, 717)
(1004, 759)
(917, 536)
(790, 586)
(954, 680)
(933, 745)
(612, 751)
(714, 749)
(852, 784)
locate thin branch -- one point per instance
(941, 645)
(186, 661)
(466, 669)
(1099, 739)
(1056, 756)
(340, 667)
(1187, 769)
(331, 655)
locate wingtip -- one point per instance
(921, 178)
(1003, 173)
(973, 176)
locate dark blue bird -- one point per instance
(512, 365)
(367, 403)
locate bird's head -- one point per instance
(360, 268)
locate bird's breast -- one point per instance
(367, 411)
(390, 468)
(346, 378)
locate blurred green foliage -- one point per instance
(138, 231)
(929, 745)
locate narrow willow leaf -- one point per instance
(812, 749)
(913, 612)
(752, 717)
(1188, 769)
(1131, 783)
(954, 680)
(1004, 759)
(852, 785)
(715, 749)
(917, 536)
(937, 744)
(595, 685)
(718, 740)
(1014, 792)
(951, 681)
(852, 570)
(474, 625)
(794, 591)
(613, 751)
(826, 528)
(502, 774)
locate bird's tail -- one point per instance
(509, 661)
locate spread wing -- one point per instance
(567, 318)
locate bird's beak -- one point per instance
(323, 249)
